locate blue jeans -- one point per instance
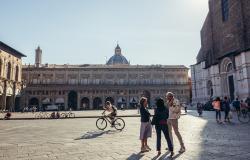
(218, 114)
(164, 129)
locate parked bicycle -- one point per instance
(101, 123)
(244, 116)
(68, 115)
(40, 115)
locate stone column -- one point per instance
(4, 102)
(66, 102)
(91, 102)
(78, 101)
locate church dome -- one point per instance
(118, 58)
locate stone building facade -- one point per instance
(88, 86)
(10, 77)
(223, 62)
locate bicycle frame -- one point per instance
(106, 117)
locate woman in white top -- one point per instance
(174, 115)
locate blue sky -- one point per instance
(86, 31)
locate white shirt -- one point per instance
(174, 110)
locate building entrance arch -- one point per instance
(97, 103)
(34, 102)
(72, 100)
(227, 69)
(84, 103)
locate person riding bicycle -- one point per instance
(113, 111)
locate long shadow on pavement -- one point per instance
(135, 156)
(95, 134)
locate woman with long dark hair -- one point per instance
(160, 122)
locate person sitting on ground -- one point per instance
(113, 111)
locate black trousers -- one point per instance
(218, 114)
(227, 114)
(164, 129)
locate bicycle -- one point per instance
(101, 123)
(68, 115)
(40, 115)
(244, 116)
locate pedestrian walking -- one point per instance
(146, 128)
(236, 105)
(161, 114)
(226, 106)
(217, 106)
(199, 109)
(174, 115)
(185, 107)
(247, 101)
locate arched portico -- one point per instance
(227, 78)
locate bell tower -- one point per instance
(38, 59)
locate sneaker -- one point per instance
(159, 153)
(172, 154)
(183, 149)
(148, 148)
(143, 150)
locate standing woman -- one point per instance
(146, 129)
(160, 121)
(217, 106)
(174, 115)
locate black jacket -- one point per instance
(160, 115)
(145, 115)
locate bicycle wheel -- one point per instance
(38, 116)
(63, 115)
(72, 115)
(101, 123)
(243, 116)
(119, 124)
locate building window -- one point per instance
(225, 10)
(8, 70)
(229, 67)
(17, 73)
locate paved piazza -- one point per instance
(76, 139)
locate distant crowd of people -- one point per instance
(236, 105)
(227, 106)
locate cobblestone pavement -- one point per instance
(76, 139)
